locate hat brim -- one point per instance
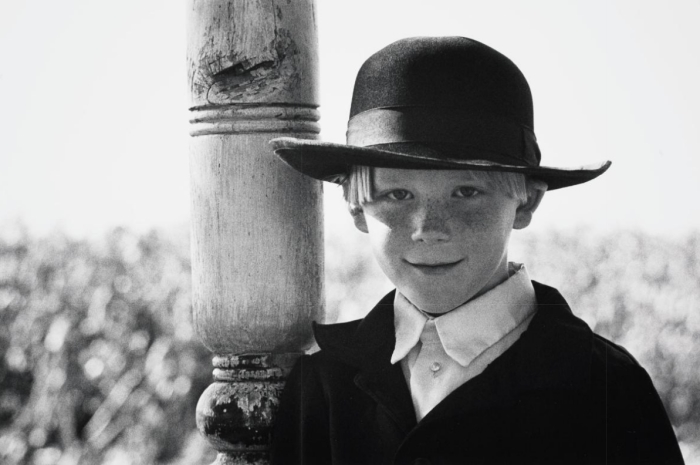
(327, 161)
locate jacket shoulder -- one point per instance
(612, 354)
(602, 350)
(356, 341)
(336, 342)
(336, 334)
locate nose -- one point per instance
(430, 224)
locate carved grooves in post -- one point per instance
(251, 119)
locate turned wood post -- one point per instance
(257, 257)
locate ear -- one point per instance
(358, 216)
(535, 193)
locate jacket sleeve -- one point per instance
(648, 432)
(301, 433)
(658, 440)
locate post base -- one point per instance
(236, 412)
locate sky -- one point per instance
(93, 104)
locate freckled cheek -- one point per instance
(388, 244)
(483, 237)
(387, 222)
(390, 217)
(481, 222)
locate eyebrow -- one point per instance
(403, 182)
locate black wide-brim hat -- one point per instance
(436, 103)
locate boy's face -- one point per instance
(440, 236)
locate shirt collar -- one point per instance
(474, 326)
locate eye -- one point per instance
(398, 194)
(465, 192)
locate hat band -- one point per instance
(443, 125)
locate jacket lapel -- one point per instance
(554, 353)
(369, 348)
(388, 389)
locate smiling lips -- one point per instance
(434, 268)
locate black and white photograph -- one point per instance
(349, 232)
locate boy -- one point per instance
(468, 361)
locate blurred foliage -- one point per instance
(99, 364)
(99, 360)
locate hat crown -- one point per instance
(436, 103)
(454, 72)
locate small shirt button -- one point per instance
(435, 367)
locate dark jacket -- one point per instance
(559, 395)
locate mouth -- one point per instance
(434, 268)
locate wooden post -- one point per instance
(257, 258)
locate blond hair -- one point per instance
(357, 185)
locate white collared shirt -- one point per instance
(440, 354)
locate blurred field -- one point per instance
(100, 365)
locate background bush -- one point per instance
(99, 363)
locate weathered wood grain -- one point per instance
(257, 257)
(256, 247)
(256, 224)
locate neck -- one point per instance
(502, 273)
